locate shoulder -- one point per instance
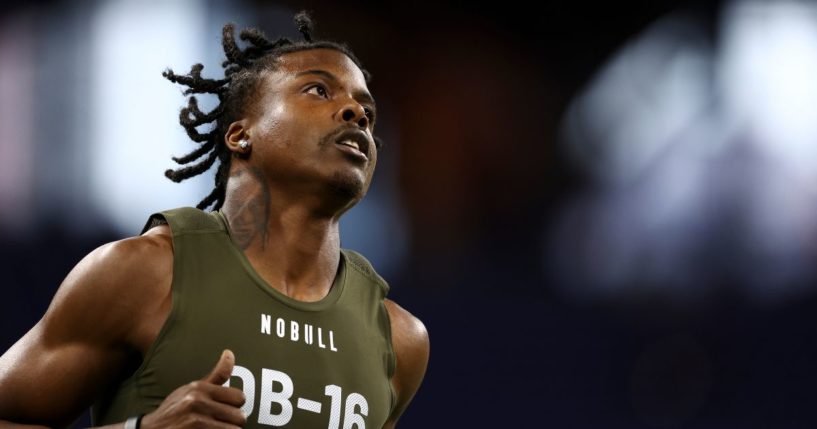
(116, 283)
(100, 318)
(411, 348)
(411, 331)
(119, 265)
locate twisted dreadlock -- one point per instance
(242, 74)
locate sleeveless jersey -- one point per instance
(324, 364)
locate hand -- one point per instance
(204, 403)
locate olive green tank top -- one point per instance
(324, 364)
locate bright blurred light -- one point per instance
(768, 73)
(706, 161)
(135, 109)
(641, 101)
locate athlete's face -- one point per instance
(313, 124)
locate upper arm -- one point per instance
(86, 339)
(411, 349)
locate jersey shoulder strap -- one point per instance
(363, 266)
(183, 220)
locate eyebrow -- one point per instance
(360, 94)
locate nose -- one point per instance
(354, 113)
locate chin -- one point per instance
(347, 186)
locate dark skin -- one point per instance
(289, 187)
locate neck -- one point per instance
(290, 242)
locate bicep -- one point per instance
(411, 347)
(83, 343)
(45, 380)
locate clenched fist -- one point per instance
(204, 403)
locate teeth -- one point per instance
(350, 143)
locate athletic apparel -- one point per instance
(324, 364)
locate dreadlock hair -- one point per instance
(243, 70)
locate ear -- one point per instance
(235, 133)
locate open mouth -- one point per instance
(351, 144)
(354, 142)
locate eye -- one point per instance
(318, 90)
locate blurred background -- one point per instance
(604, 212)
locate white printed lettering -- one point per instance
(334, 392)
(268, 396)
(351, 412)
(293, 330)
(247, 385)
(309, 405)
(350, 418)
(280, 327)
(308, 334)
(332, 341)
(296, 331)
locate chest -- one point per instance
(296, 368)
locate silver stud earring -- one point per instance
(243, 144)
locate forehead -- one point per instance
(330, 60)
